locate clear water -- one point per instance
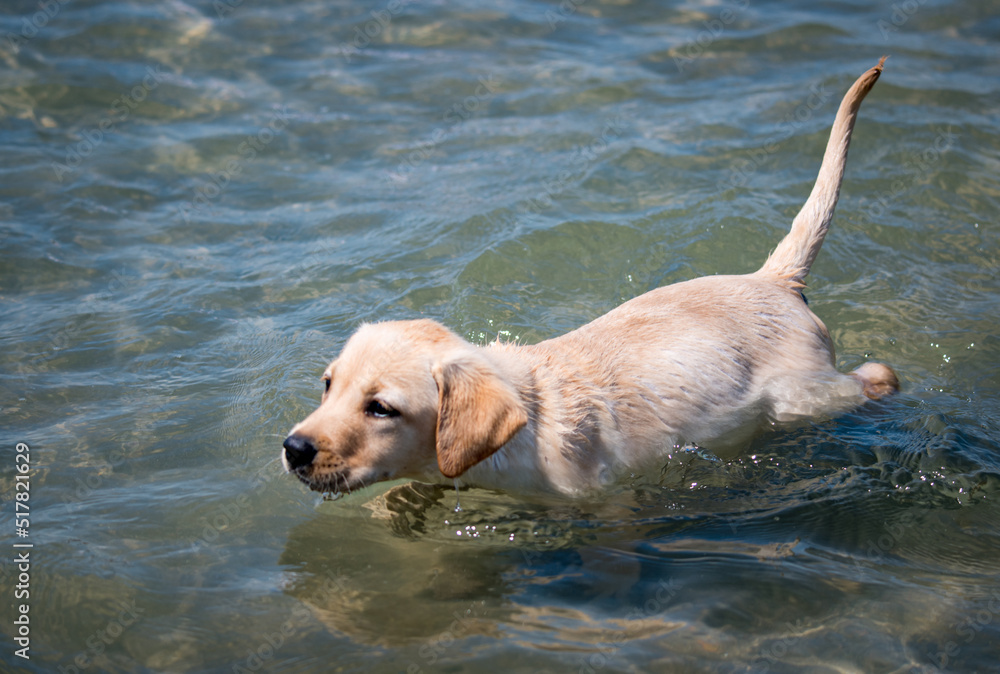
(200, 201)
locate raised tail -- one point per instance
(794, 256)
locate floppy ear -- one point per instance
(478, 411)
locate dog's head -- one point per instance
(404, 399)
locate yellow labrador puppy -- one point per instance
(704, 362)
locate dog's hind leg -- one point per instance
(877, 380)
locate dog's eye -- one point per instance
(377, 409)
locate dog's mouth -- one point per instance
(299, 458)
(336, 484)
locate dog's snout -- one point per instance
(299, 451)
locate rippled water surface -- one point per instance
(199, 202)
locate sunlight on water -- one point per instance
(200, 201)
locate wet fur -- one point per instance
(704, 362)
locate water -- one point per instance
(201, 201)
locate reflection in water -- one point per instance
(382, 586)
(680, 567)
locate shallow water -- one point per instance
(200, 201)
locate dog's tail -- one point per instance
(793, 257)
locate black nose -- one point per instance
(299, 451)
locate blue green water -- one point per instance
(200, 201)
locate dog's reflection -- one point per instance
(406, 568)
(376, 575)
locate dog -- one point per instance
(707, 362)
